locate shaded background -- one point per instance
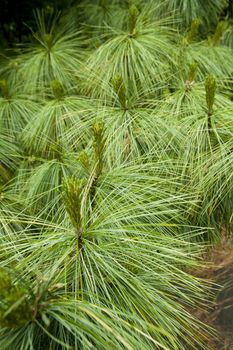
(17, 16)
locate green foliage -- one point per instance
(192, 72)
(72, 202)
(15, 309)
(193, 32)
(115, 174)
(99, 147)
(133, 14)
(16, 109)
(208, 11)
(57, 88)
(215, 39)
(118, 87)
(53, 55)
(210, 87)
(140, 60)
(4, 89)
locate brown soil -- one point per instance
(220, 316)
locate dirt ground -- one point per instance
(220, 316)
